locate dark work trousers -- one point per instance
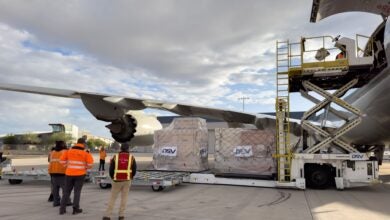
(57, 181)
(50, 199)
(71, 182)
(101, 165)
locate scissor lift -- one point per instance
(300, 68)
(296, 64)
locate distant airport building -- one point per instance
(91, 136)
(70, 129)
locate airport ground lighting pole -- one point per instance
(243, 102)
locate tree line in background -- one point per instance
(34, 139)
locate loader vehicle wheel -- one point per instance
(157, 188)
(105, 185)
(13, 181)
(318, 179)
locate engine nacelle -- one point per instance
(123, 129)
(128, 121)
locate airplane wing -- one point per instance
(324, 8)
(114, 108)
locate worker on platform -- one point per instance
(103, 156)
(122, 170)
(342, 54)
(77, 161)
(57, 172)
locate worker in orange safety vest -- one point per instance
(122, 170)
(103, 155)
(342, 54)
(77, 161)
(57, 172)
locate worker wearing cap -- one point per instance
(76, 161)
(122, 170)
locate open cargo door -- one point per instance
(324, 8)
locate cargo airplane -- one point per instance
(128, 122)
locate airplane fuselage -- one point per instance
(374, 100)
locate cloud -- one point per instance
(199, 52)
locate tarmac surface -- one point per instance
(197, 201)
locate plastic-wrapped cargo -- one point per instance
(182, 146)
(245, 152)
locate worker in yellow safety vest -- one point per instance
(77, 161)
(122, 170)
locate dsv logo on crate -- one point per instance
(243, 151)
(357, 156)
(168, 151)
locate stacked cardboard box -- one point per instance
(182, 146)
(245, 151)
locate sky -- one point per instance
(207, 53)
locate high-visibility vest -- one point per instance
(340, 56)
(77, 161)
(103, 155)
(54, 164)
(122, 171)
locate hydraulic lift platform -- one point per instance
(316, 59)
(315, 66)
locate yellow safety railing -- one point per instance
(304, 58)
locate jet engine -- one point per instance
(128, 121)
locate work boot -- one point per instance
(62, 211)
(77, 211)
(121, 218)
(50, 199)
(106, 218)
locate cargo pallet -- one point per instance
(157, 180)
(17, 177)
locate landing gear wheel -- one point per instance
(13, 181)
(157, 188)
(123, 129)
(319, 179)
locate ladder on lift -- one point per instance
(282, 106)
